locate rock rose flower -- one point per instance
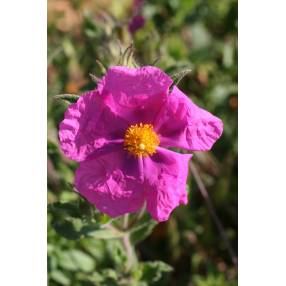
(120, 133)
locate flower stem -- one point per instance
(125, 221)
(141, 212)
(213, 213)
(130, 252)
(129, 249)
(138, 217)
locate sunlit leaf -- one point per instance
(105, 234)
(60, 277)
(83, 261)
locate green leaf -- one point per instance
(107, 277)
(109, 273)
(153, 271)
(105, 234)
(212, 280)
(83, 261)
(65, 261)
(74, 220)
(88, 229)
(67, 209)
(52, 263)
(228, 54)
(117, 254)
(95, 278)
(60, 277)
(219, 93)
(66, 229)
(201, 37)
(143, 230)
(94, 247)
(77, 209)
(70, 98)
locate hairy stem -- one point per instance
(213, 213)
(125, 221)
(129, 249)
(130, 252)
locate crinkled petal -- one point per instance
(110, 181)
(88, 125)
(136, 94)
(165, 182)
(185, 125)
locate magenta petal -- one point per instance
(185, 125)
(87, 126)
(147, 80)
(136, 94)
(110, 181)
(166, 174)
(136, 23)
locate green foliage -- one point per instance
(142, 230)
(213, 280)
(86, 247)
(151, 272)
(96, 243)
(75, 220)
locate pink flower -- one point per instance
(119, 133)
(137, 21)
(138, 3)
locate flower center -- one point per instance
(141, 140)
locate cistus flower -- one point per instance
(120, 133)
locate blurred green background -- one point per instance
(173, 34)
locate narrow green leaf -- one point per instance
(101, 65)
(94, 78)
(70, 98)
(178, 76)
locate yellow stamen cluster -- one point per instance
(141, 140)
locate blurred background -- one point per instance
(200, 35)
